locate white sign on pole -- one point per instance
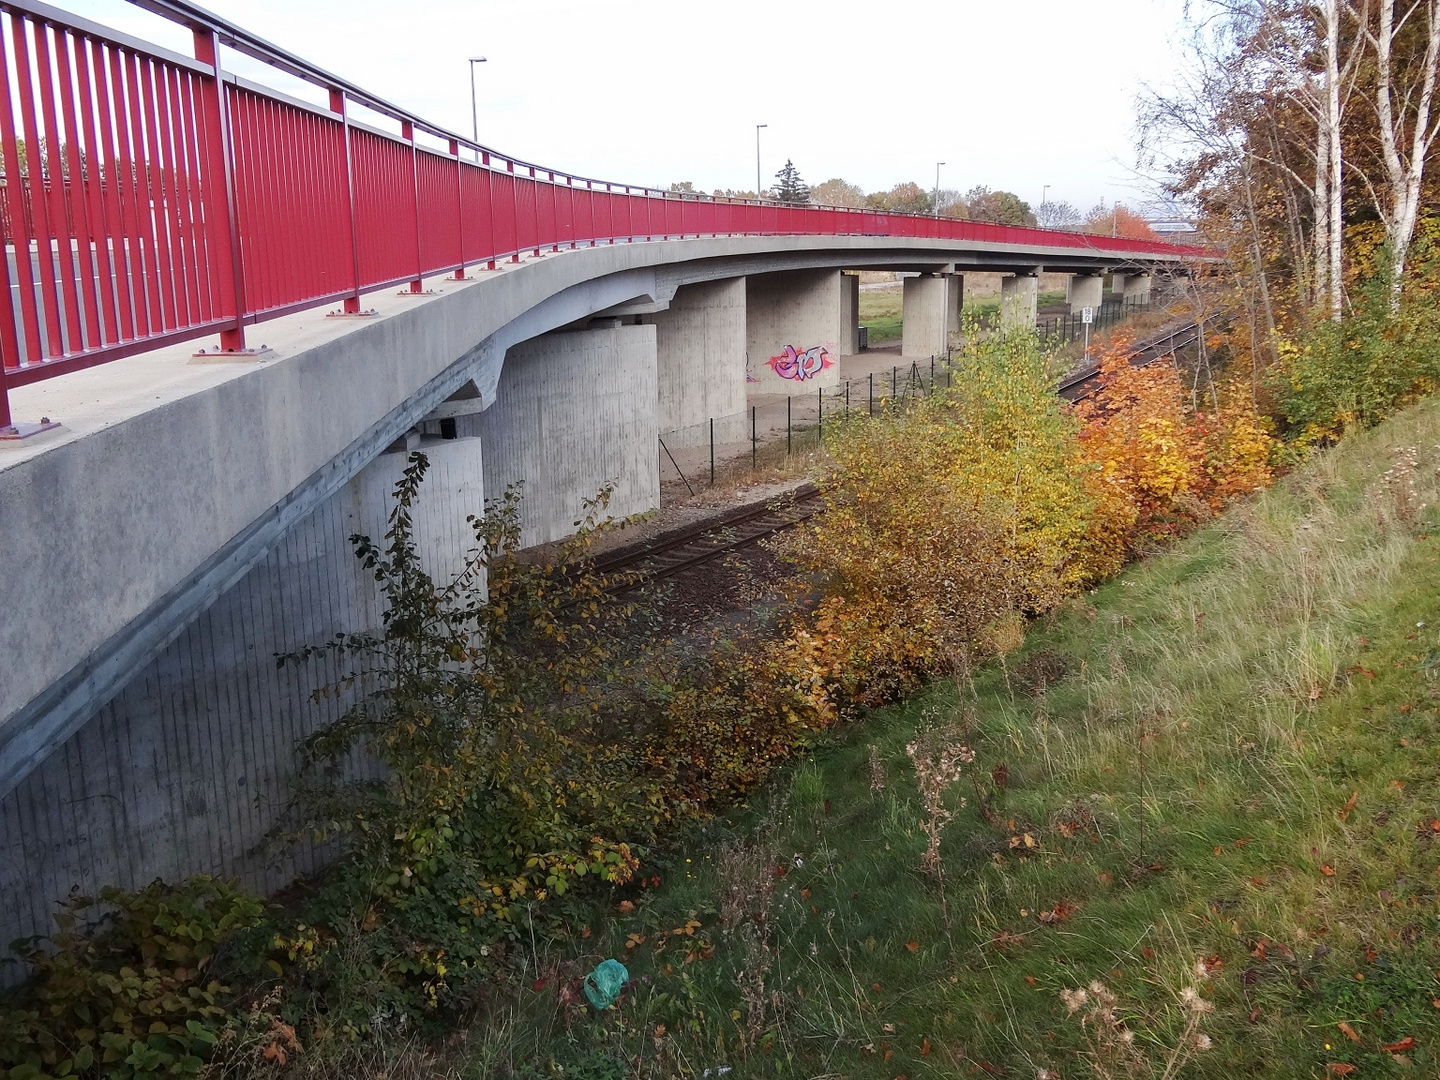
(1087, 315)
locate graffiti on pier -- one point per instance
(799, 366)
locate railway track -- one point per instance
(681, 549)
(674, 552)
(1084, 383)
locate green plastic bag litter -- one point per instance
(602, 986)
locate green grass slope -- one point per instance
(1237, 768)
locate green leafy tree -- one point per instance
(1000, 207)
(907, 198)
(791, 190)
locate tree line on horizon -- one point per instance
(980, 203)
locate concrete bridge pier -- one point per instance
(850, 313)
(795, 325)
(1084, 290)
(1133, 288)
(925, 313)
(700, 358)
(1019, 301)
(575, 410)
(955, 303)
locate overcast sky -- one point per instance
(1014, 95)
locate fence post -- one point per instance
(216, 107)
(821, 421)
(787, 423)
(754, 439)
(712, 451)
(932, 374)
(870, 406)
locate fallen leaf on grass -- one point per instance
(805, 894)
(1030, 980)
(1058, 914)
(538, 985)
(1349, 805)
(924, 1047)
(1348, 1031)
(1255, 1014)
(1397, 784)
(913, 946)
(1407, 1043)
(1327, 869)
(1339, 1068)
(626, 907)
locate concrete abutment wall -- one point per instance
(188, 768)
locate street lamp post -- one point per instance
(757, 160)
(937, 187)
(474, 109)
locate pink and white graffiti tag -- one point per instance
(793, 364)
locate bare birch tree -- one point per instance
(1403, 108)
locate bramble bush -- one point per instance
(124, 988)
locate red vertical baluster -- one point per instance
(76, 202)
(113, 185)
(198, 276)
(158, 218)
(143, 202)
(38, 202)
(170, 175)
(58, 195)
(95, 180)
(19, 219)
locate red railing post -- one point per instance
(337, 105)
(223, 231)
(407, 132)
(459, 211)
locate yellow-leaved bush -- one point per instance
(945, 515)
(950, 512)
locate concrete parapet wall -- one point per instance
(575, 410)
(802, 310)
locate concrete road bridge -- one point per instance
(175, 509)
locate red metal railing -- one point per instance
(189, 202)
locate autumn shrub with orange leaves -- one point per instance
(1164, 463)
(992, 497)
